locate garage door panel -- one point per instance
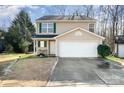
(77, 49)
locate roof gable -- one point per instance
(82, 30)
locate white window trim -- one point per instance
(48, 28)
(41, 43)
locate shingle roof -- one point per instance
(43, 36)
(119, 39)
(67, 17)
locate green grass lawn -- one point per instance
(12, 56)
(116, 59)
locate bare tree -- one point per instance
(60, 10)
(89, 11)
(115, 12)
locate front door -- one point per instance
(52, 47)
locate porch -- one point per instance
(46, 47)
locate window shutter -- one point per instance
(45, 43)
(38, 43)
(40, 27)
(54, 27)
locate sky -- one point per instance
(8, 13)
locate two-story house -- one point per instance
(66, 36)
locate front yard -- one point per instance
(12, 56)
(30, 71)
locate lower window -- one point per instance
(42, 43)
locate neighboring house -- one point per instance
(119, 46)
(66, 36)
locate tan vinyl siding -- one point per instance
(84, 37)
(62, 27)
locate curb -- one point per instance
(101, 78)
(52, 72)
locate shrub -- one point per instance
(8, 48)
(23, 45)
(103, 50)
(1, 48)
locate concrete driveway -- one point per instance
(84, 72)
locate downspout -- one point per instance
(117, 49)
(117, 45)
(49, 47)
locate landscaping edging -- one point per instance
(114, 62)
(52, 72)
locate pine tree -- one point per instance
(20, 32)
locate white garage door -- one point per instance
(77, 49)
(121, 50)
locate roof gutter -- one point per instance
(37, 21)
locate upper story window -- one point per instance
(47, 28)
(91, 27)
